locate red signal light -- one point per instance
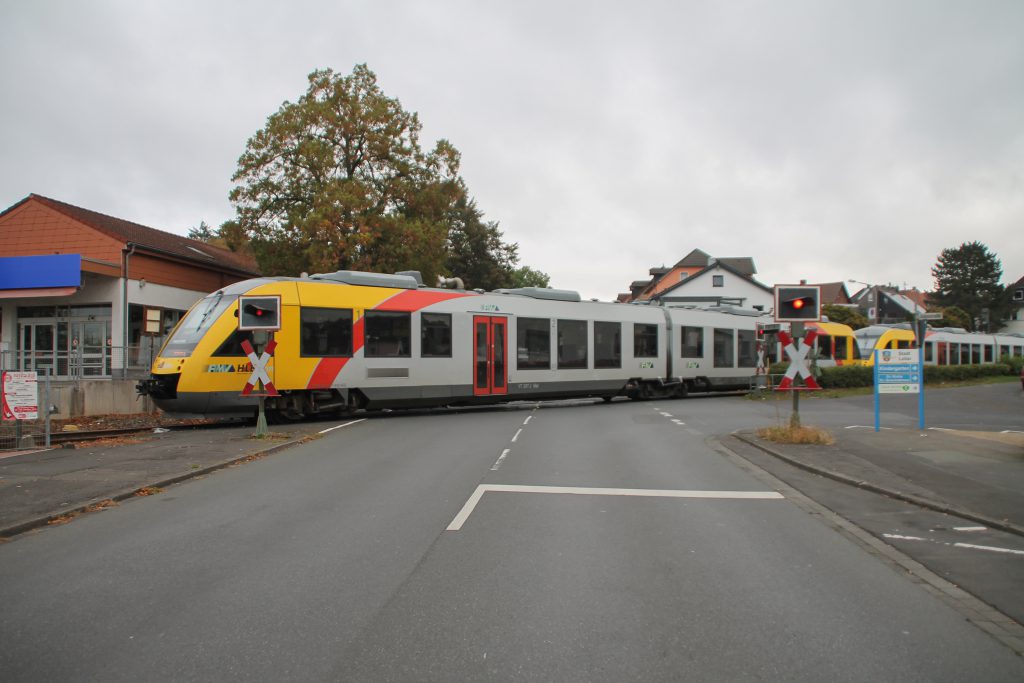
(798, 304)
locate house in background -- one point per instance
(1015, 322)
(86, 296)
(884, 305)
(700, 278)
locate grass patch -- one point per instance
(814, 436)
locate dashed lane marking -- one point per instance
(471, 503)
(501, 458)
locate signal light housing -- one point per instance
(259, 313)
(797, 303)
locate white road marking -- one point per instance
(471, 503)
(970, 528)
(864, 427)
(904, 538)
(497, 463)
(527, 420)
(679, 422)
(517, 435)
(331, 429)
(941, 429)
(666, 414)
(1011, 431)
(989, 547)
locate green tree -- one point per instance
(528, 277)
(202, 233)
(968, 277)
(953, 316)
(847, 316)
(476, 252)
(338, 180)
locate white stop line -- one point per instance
(467, 509)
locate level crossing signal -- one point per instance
(259, 313)
(797, 303)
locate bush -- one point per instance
(850, 376)
(1015, 363)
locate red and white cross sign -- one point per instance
(259, 368)
(797, 355)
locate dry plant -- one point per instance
(797, 435)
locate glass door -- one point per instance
(37, 346)
(490, 343)
(89, 347)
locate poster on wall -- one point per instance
(20, 396)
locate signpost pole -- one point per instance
(798, 334)
(875, 380)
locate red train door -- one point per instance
(490, 352)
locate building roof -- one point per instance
(151, 238)
(834, 293)
(695, 259)
(715, 265)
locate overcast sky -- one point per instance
(826, 140)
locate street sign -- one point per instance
(899, 371)
(259, 368)
(797, 354)
(20, 396)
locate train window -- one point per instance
(325, 332)
(436, 335)
(965, 354)
(388, 334)
(842, 344)
(572, 344)
(533, 343)
(747, 356)
(824, 346)
(645, 340)
(929, 351)
(232, 346)
(1004, 351)
(607, 345)
(725, 341)
(692, 342)
(976, 354)
(988, 353)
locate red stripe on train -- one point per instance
(328, 368)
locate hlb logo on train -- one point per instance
(228, 367)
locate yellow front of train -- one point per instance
(201, 368)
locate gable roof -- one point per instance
(716, 265)
(151, 238)
(695, 259)
(834, 293)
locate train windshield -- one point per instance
(198, 321)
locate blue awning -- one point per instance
(40, 272)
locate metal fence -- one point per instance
(99, 362)
(25, 434)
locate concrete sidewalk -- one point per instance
(975, 475)
(46, 486)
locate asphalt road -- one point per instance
(365, 555)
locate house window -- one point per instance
(718, 280)
(1018, 295)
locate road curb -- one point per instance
(946, 508)
(6, 533)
